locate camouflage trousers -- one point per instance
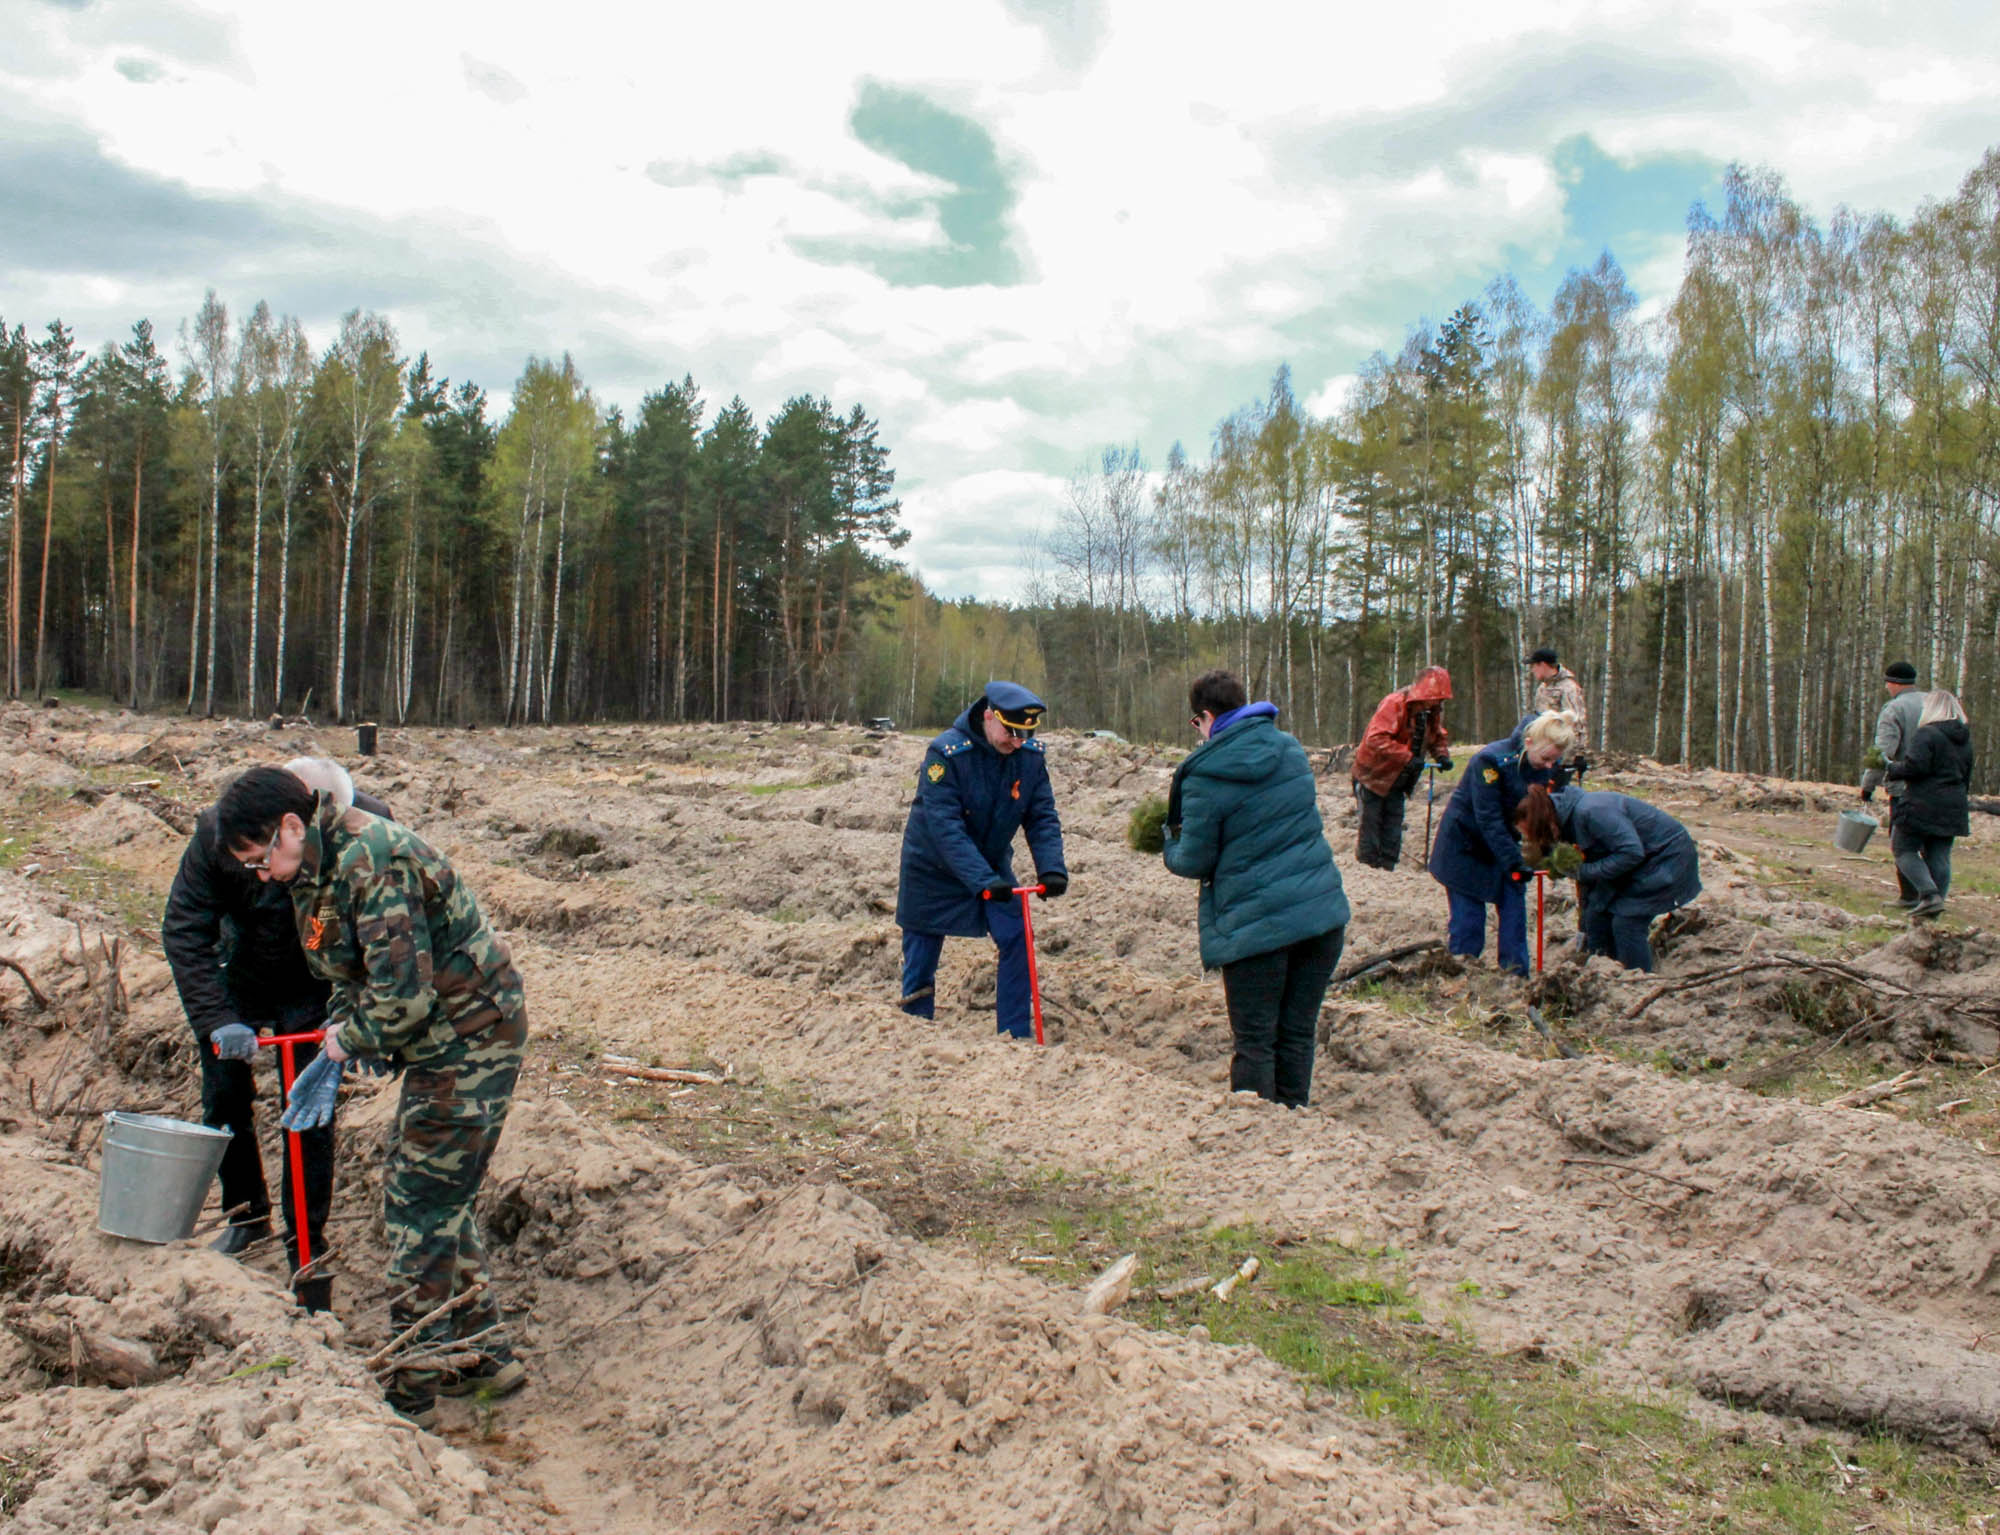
(447, 1124)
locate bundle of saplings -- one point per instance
(1146, 831)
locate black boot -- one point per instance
(239, 1236)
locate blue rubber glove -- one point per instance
(234, 1042)
(313, 1093)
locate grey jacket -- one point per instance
(1896, 729)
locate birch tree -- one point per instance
(358, 388)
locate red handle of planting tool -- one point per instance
(1028, 933)
(285, 1042)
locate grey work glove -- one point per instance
(313, 1093)
(234, 1042)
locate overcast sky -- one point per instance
(1015, 230)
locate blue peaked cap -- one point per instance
(1017, 707)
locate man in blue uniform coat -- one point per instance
(982, 780)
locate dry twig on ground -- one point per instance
(1361, 967)
(1902, 1082)
(387, 1351)
(34, 992)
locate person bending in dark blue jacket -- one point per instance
(1243, 818)
(982, 780)
(1638, 863)
(1476, 857)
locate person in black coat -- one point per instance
(1638, 862)
(981, 782)
(1934, 807)
(232, 942)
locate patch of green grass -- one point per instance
(1347, 1321)
(1403, 1001)
(18, 1476)
(775, 788)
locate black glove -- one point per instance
(1579, 767)
(1052, 885)
(999, 891)
(1868, 794)
(1444, 763)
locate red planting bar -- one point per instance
(1541, 884)
(285, 1042)
(1028, 932)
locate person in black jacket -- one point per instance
(233, 944)
(1933, 809)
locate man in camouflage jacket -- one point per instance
(419, 981)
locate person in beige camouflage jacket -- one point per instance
(1556, 688)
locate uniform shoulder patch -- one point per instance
(1491, 775)
(1031, 745)
(934, 772)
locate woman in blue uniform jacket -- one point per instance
(1638, 862)
(1476, 857)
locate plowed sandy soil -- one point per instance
(1633, 1274)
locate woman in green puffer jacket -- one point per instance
(1243, 818)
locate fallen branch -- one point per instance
(464, 1297)
(1833, 968)
(27, 980)
(1647, 1172)
(1180, 1287)
(1699, 979)
(226, 1218)
(1361, 967)
(1785, 1065)
(1112, 1288)
(1243, 1275)
(625, 1066)
(1567, 1052)
(452, 1353)
(1902, 1082)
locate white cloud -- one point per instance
(1195, 201)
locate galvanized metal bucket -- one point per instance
(155, 1176)
(1854, 829)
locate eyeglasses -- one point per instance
(259, 865)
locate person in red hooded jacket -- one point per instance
(1407, 728)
